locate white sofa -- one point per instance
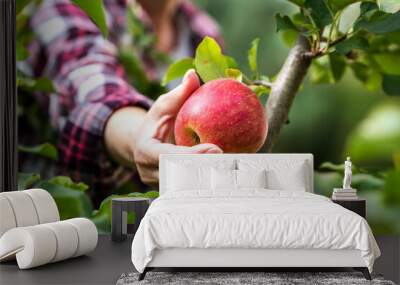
(31, 231)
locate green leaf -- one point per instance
(210, 63)
(231, 62)
(355, 42)
(132, 66)
(95, 10)
(283, 23)
(374, 80)
(391, 191)
(150, 194)
(391, 84)
(71, 202)
(234, 74)
(310, 31)
(374, 139)
(27, 180)
(177, 69)
(260, 89)
(303, 26)
(383, 24)
(134, 70)
(20, 5)
(340, 4)
(368, 7)
(41, 84)
(360, 71)
(21, 27)
(320, 71)
(339, 168)
(366, 181)
(46, 150)
(68, 183)
(289, 37)
(389, 6)
(298, 2)
(368, 10)
(338, 65)
(20, 51)
(388, 62)
(348, 17)
(393, 37)
(332, 167)
(320, 12)
(396, 160)
(299, 19)
(252, 55)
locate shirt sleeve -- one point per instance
(90, 83)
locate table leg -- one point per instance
(117, 220)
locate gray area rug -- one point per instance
(232, 278)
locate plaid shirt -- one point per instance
(90, 84)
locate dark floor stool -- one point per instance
(120, 208)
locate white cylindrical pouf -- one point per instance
(23, 208)
(67, 239)
(45, 205)
(7, 218)
(87, 234)
(40, 244)
(33, 246)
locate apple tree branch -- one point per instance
(285, 88)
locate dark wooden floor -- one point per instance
(110, 260)
(102, 266)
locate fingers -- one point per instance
(155, 149)
(170, 103)
(147, 156)
(165, 132)
(164, 125)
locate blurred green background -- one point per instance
(331, 121)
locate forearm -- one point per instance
(120, 134)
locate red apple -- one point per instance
(224, 112)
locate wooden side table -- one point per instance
(120, 208)
(357, 206)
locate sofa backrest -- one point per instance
(279, 162)
(26, 208)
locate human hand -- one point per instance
(155, 136)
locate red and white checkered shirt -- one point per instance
(91, 84)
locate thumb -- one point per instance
(171, 103)
(190, 83)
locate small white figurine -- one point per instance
(347, 174)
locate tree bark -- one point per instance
(285, 88)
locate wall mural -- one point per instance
(95, 106)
